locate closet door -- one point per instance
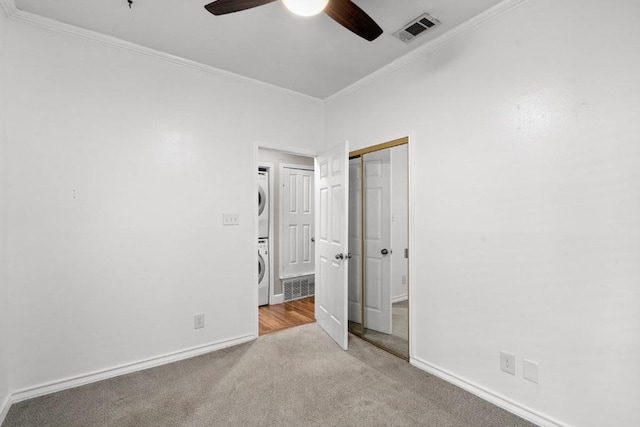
(378, 282)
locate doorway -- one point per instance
(336, 283)
(287, 233)
(378, 290)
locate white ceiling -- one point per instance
(314, 56)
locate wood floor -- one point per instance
(286, 315)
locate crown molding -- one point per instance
(9, 7)
(16, 14)
(468, 25)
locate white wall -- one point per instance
(526, 202)
(4, 287)
(120, 168)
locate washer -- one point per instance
(263, 272)
(263, 204)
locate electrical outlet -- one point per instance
(508, 363)
(530, 371)
(198, 321)
(230, 219)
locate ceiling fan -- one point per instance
(344, 12)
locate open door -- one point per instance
(331, 260)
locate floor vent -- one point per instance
(299, 287)
(417, 27)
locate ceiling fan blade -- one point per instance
(222, 7)
(354, 19)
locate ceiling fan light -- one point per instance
(306, 7)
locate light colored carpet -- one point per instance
(297, 377)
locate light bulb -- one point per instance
(306, 7)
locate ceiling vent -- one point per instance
(416, 27)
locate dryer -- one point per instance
(263, 204)
(263, 272)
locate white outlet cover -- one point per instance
(530, 371)
(508, 362)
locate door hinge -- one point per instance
(406, 253)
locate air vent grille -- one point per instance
(299, 287)
(416, 27)
(427, 23)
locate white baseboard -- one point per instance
(128, 368)
(399, 298)
(5, 404)
(488, 395)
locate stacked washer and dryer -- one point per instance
(263, 237)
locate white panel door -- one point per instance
(354, 240)
(332, 205)
(377, 241)
(297, 222)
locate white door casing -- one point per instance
(377, 240)
(332, 204)
(297, 227)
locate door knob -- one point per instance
(339, 256)
(384, 251)
(313, 239)
(349, 256)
